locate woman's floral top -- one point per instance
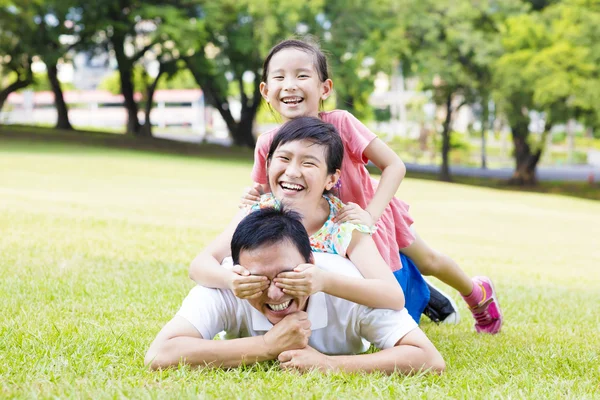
(333, 237)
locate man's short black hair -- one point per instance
(268, 226)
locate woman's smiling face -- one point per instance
(298, 173)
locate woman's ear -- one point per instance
(333, 179)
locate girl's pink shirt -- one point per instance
(393, 228)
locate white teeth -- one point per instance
(292, 186)
(291, 100)
(279, 307)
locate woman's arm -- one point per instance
(206, 269)
(379, 289)
(393, 171)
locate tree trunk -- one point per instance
(241, 132)
(146, 129)
(485, 115)
(127, 90)
(570, 141)
(445, 169)
(526, 160)
(19, 84)
(62, 121)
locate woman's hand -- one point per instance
(304, 280)
(251, 196)
(246, 286)
(352, 212)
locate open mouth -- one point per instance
(280, 307)
(291, 186)
(292, 100)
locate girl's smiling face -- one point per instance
(298, 173)
(293, 87)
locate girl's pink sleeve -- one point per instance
(356, 136)
(259, 170)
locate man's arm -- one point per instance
(180, 342)
(413, 353)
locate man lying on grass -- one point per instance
(319, 331)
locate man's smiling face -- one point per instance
(271, 260)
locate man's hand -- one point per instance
(292, 332)
(304, 280)
(246, 286)
(352, 212)
(304, 360)
(251, 196)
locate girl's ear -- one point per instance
(332, 180)
(326, 89)
(264, 91)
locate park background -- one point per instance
(126, 137)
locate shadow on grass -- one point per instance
(22, 134)
(16, 133)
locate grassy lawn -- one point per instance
(95, 245)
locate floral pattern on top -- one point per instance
(333, 237)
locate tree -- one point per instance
(352, 34)
(40, 25)
(15, 54)
(53, 19)
(131, 30)
(240, 33)
(550, 65)
(453, 44)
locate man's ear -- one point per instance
(326, 89)
(333, 179)
(264, 91)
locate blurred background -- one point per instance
(504, 89)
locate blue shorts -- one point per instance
(416, 291)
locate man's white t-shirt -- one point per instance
(338, 326)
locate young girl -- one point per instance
(295, 81)
(304, 162)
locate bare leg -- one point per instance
(434, 263)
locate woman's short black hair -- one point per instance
(313, 130)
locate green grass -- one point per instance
(95, 245)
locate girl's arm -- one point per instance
(206, 269)
(379, 289)
(393, 171)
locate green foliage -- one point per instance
(41, 83)
(182, 79)
(551, 62)
(382, 114)
(352, 33)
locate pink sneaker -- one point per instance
(487, 313)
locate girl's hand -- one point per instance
(251, 196)
(246, 286)
(304, 280)
(352, 212)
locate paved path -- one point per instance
(579, 173)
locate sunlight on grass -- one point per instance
(95, 247)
